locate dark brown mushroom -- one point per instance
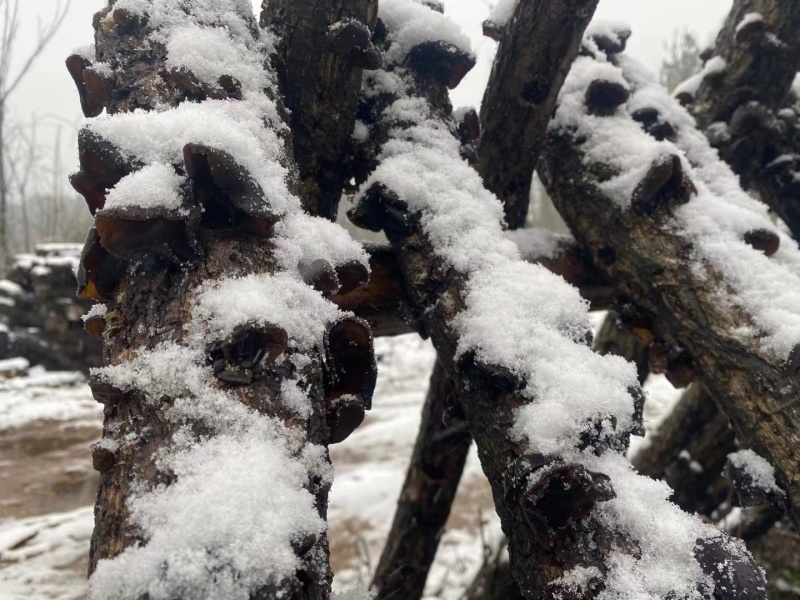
(747, 491)
(235, 359)
(764, 240)
(501, 379)
(654, 124)
(101, 168)
(99, 85)
(229, 195)
(105, 393)
(95, 325)
(353, 41)
(493, 31)
(439, 61)
(664, 185)
(321, 276)
(351, 369)
(352, 275)
(98, 272)
(741, 577)
(604, 97)
(612, 44)
(103, 459)
(77, 65)
(345, 415)
(682, 370)
(381, 209)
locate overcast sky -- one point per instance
(48, 94)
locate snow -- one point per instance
(210, 53)
(42, 395)
(155, 188)
(280, 300)
(751, 17)
(87, 52)
(713, 65)
(301, 237)
(14, 364)
(10, 288)
(715, 220)
(237, 505)
(502, 11)
(411, 24)
(758, 468)
(97, 310)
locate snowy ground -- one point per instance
(48, 420)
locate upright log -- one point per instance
(566, 497)
(536, 46)
(321, 52)
(229, 370)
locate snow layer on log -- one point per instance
(411, 23)
(522, 318)
(716, 219)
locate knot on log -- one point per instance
(77, 65)
(229, 195)
(740, 577)
(235, 359)
(664, 185)
(102, 166)
(350, 375)
(439, 62)
(98, 271)
(603, 97)
(654, 124)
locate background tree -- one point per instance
(682, 60)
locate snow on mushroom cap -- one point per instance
(155, 186)
(411, 23)
(281, 300)
(758, 468)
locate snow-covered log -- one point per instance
(229, 371)
(746, 104)
(551, 419)
(701, 260)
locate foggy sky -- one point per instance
(49, 96)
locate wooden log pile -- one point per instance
(41, 318)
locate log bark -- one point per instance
(614, 338)
(537, 45)
(319, 62)
(654, 267)
(207, 398)
(688, 450)
(546, 504)
(748, 108)
(424, 505)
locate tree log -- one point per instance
(748, 108)
(537, 45)
(687, 299)
(228, 375)
(424, 505)
(322, 48)
(554, 500)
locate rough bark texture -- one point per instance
(152, 303)
(653, 268)
(688, 451)
(748, 110)
(537, 46)
(320, 77)
(424, 505)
